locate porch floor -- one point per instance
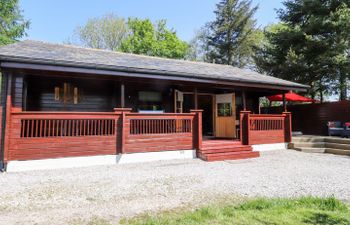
(223, 149)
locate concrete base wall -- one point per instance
(270, 147)
(155, 156)
(73, 162)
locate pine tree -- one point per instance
(311, 45)
(232, 35)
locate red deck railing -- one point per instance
(40, 128)
(158, 132)
(160, 126)
(266, 123)
(38, 135)
(265, 128)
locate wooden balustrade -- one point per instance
(263, 122)
(41, 128)
(39, 135)
(160, 126)
(158, 132)
(265, 128)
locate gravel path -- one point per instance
(74, 196)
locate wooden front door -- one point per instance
(225, 116)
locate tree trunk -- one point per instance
(321, 96)
(342, 86)
(312, 92)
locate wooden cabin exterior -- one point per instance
(63, 101)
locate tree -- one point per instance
(106, 32)
(153, 40)
(310, 45)
(232, 35)
(12, 22)
(340, 50)
(198, 48)
(284, 55)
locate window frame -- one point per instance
(224, 109)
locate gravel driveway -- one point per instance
(74, 196)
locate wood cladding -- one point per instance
(17, 92)
(59, 94)
(87, 95)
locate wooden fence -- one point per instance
(312, 118)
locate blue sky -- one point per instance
(55, 20)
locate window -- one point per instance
(57, 93)
(224, 109)
(149, 100)
(67, 94)
(150, 96)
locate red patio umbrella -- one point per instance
(290, 97)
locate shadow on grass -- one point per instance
(326, 219)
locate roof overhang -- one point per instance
(127, 72)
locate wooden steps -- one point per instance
(218, 150)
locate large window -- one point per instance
(149, 100)
(224, 109)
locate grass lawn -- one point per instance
(306, 210)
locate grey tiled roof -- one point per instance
(66, 55)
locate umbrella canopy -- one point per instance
(290, 97)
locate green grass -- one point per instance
(306, 210)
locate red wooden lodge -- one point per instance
(61, 101)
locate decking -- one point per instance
(216, 150)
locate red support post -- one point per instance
(244, 127)
(197, 129)
(121, 133)
(287, 126)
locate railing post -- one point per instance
(287, 126)
(197, 129)
(244, 127)
(121, 128)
